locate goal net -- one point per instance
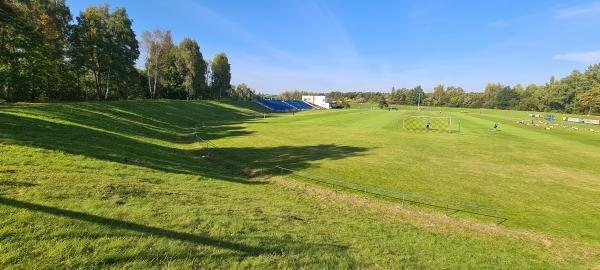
(427, 123)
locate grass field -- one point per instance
(128, 185)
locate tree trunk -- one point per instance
(107, 85)
(97, 73)
(156, 73)
(6, 90)
(149, 81)
(155, 81)
(97, 83)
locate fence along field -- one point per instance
(449, 206)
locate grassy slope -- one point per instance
(124, 184)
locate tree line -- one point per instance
(45, 55)
(578, 92)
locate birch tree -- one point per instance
(155, 43)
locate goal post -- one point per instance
(427, 123)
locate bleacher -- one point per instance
(300, 105)
(276, 105)
(284, 106)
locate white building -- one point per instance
(320, 101)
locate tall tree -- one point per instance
(90, 47)
(33, 38)
(506, 98)
(220, 75)
(591, 99)
(123, 52)
(157, 45)
(192, 68)
(382, 103)
(439, 96)
(104, 45)
(415, 95)
(490, 94)
(455, 96)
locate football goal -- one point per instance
(427, 123)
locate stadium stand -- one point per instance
(284, 106)
(276, 105)
(300, 105)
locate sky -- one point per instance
(346, 45)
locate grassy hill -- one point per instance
(128, 184)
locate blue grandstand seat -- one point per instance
(276, 105)
(300, 105)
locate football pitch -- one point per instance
(542, 180)
(136, 184)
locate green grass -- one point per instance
(127, 185)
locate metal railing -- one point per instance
(450, 206)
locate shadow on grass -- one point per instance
(105, 139)
(293, 157)
(119, 224)
(162, 120)
(11, 183)
(245, 250)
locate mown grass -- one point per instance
(126, 185)
(537, 177)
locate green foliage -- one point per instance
(192, 68)
(43, 56)
(591, 99)
(570, 94)
(382, 103)
(415, 95)
(220, 76)
(104, 49)
(242, 92)
(33, 35)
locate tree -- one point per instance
(242, 92)
(490, 94)
(191, 67)
(439, 96)
(220, 75)
(414, 95)
(398, 96)
(33, 38)
(157, 46)
(123, 52)
(506, 98)
(455, 97)
(591, 99)
(104, 45)
(382, 103)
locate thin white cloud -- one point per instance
(587, 58)
(579, 11)
(499, 23)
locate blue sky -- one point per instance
(374, 45)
